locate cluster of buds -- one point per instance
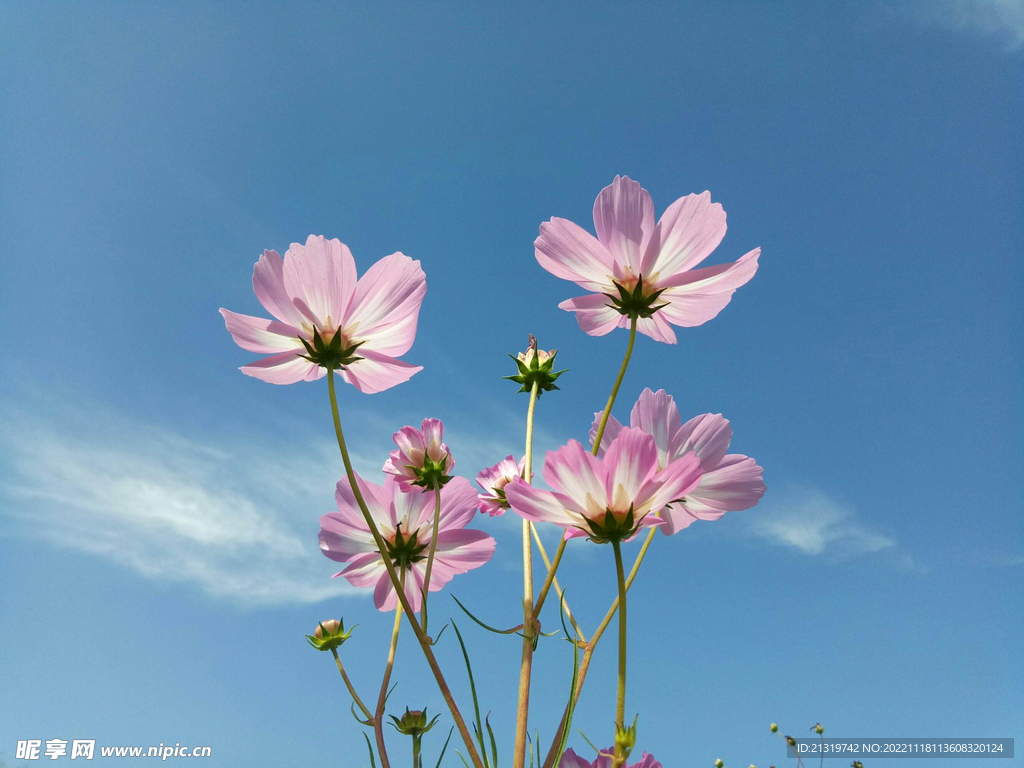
(535, 367)
(329, 635)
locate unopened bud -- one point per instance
(329, 635)
(719, 763)
(414, 722)
(774, 727)
(819, 728)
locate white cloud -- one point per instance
(812, 523)
(238, 523)
(998, 19)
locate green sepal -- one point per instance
(634, 303)
(330, 640)
(330, 354)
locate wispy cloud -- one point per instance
(236, 522)
(812, 523)
(1000, 20)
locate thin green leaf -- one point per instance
(494, 746)
(373, 763)
(571, 708)
(472, 687)
(514, 630)
(445, 747)
(588, 741)
(462, 758)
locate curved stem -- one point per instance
(615, 389)
(382, 697)
(620, 699)
(430, 557)
(598, 436)
(558, 589)
(351, 688)
(588, 654)
(421, 637)
(529, 629)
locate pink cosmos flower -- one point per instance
(405, 521)
(493, 481)
(604, 760)
(605, 498)
(421, 461)
(316, 299)
(730, 481)
(635, 265)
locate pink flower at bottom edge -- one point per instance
(604, 760)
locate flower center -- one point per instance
(404, 549)
(634, 298)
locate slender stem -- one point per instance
(620, 699)
(598, 436)
(588, 654)
(430, 557)
(378, 717)
(529, 629)
(351, 688)
(558, 589)
(615, 389)
(421, 636)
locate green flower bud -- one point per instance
(625, 738)
(414, 722)
(719, 763)
(535, 365)
(774, 727)
(819, 728)
(329, 635)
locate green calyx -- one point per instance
(404, 551)
(432, 474)
(329, 635)
(625, 739)
(611, 528)
(413, 723)
(634, 303)
(330, 354)
(533, 370)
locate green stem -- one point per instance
(598, 436)
(430, 556)
(526, 658)
(615, 388)
(378, 718)
(421, 636)
(351, 688)
(588, 653)
(620, 699)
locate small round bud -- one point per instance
(774, 727)
(535, 366)
(719, 763)
(329, 635)
(819, 728)
(413, 723)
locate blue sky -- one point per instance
(159, 510)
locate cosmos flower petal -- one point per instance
(320, 276)
(377, 372)
(257, 334)
(677, 479)
(574, 472)
(734, 484)
(386, 305)
(657, 415)
(708, 435)
(594, 313)
(687, 232)
(695, 302)
(568, 251)
(630, 461)
(463, 550)
(624, 220)
(611, 431)
(282, 368)
(538, 505)
(657, 327)
(363, 570)
(268, 285)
